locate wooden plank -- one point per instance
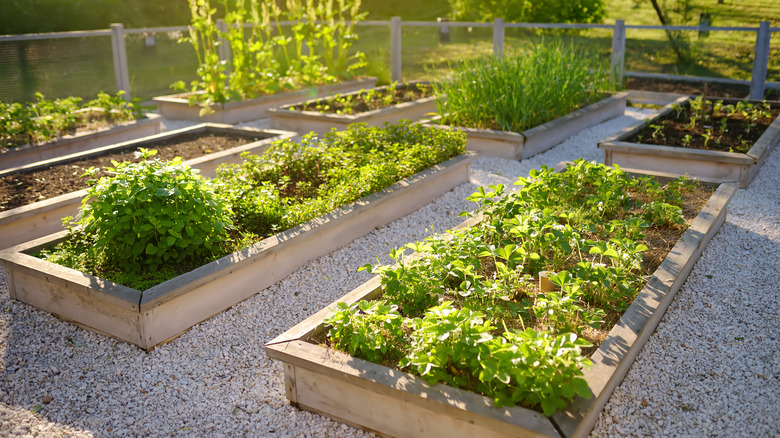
(358, 390)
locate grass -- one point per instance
(515, 93)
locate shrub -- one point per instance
(152, 213)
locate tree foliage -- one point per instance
(529, 11)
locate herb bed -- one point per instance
(147, 318)
(725, 139)
(387, 104)
(31, 209)
(355, 391)
(178, 107)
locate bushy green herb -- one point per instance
(151, 214)
(293, 182)
(477, 317)
(518, 92)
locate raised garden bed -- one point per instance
(38, 219)
(80, 142)
(161, 312)
(177, 106)
(409, 101)
(521, 145)
(684, 155)
(395, 403)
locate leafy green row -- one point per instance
(44, 120)
(518, 92)
(267, 57)
(467, 310)
(153, 220)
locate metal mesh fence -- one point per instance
(56, 68)
(82, 66)
(155, 60)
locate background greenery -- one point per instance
(83, 66)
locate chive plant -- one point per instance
(518, 92)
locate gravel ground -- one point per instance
(712, 368)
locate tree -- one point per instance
(679, 14)
(529, 11)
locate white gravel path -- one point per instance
(215, 379)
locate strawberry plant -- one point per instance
(476, 316)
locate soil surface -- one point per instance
(25, 188)
(715, 130)
(707, 89)
(367, 100)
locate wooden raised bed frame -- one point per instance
(177, 106)
(521, 145)
(164, 311)
(72, 144)
(321, 122)
(397, 404)
(42, 218)
(720, 165)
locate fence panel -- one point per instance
(56, 68)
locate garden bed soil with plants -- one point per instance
(177, 106)
(34, 198)
(390, 402)
(84, 139)
(387, 104)
(161, 312)
(522, 145)
(717, 145)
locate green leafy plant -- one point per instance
(475, 316)
(368, 329)
(266, 58)
(367, 100)
(710, 124)
(150, 214)
(524, 90)
(161, 220)
(45, 120)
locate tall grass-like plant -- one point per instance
(526, 89)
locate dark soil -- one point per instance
(707, 89)
(25, 188)
(367, 100)
(727, 132)
(686, 87)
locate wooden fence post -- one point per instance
(395, 48)
(498, 38)
(760, 61)
(120, 59)
(618, 50)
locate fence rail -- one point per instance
(758, 82)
